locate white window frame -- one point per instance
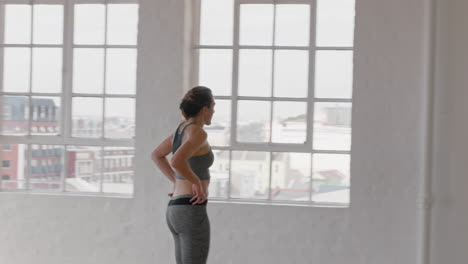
(65, 138)
(268, 147)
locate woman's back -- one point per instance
(199, 162)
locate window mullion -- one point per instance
(332, 100)
(107, 95)
(259, 47)
(51, 140)
(2, 32)
(311, 86)
(195, 56)
(235, 83)
(97, 46)
(311, 92)
(101, 181)
(272, 147)
(66, 86)
(2, 27)
(31, 56)
(68, 51)
(105, 74)
(272, 72)
(272, 103)
(235, 73)
(334, 48)
(30, 45)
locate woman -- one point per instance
(192, 156)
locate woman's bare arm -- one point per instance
(159, 157)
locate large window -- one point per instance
(281, 73)
(67, 86)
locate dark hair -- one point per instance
(194, 100)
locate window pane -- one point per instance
(16, 71)
(255, 72)
(215, 70)
(118, 174)
(121, 71)
(17, 24)
(219, 172)
(291, 73)
(14, 118)
(47, 70)
(290, 176)
(88, 70)
(120, 118)
(289, 122)
(253, 121)
(89, 24)
(45, 115)
(84, 172)
(335, 22)
(331, 181)
(332, 126)
(250, 174)
(47, 167)
(216, 23)
(48, 24)
(219, 132)
(86, 117)
(292, 25)
(122, 22)
(13, 174)
(256, 24)
(333, 74)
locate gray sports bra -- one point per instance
(199, 164)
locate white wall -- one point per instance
(388, 144)
(450, 178)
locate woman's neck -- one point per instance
(198, 121)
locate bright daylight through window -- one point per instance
(281, 73)
(67, 90)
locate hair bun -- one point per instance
(194, 100)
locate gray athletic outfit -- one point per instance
(189, 224)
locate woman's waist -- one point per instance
(185, 187)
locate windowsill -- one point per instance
(280, 203)
(104, 195)
(211, 200)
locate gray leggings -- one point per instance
(190, 227)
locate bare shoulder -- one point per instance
(196, 132)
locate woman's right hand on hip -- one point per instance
(199, 196)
